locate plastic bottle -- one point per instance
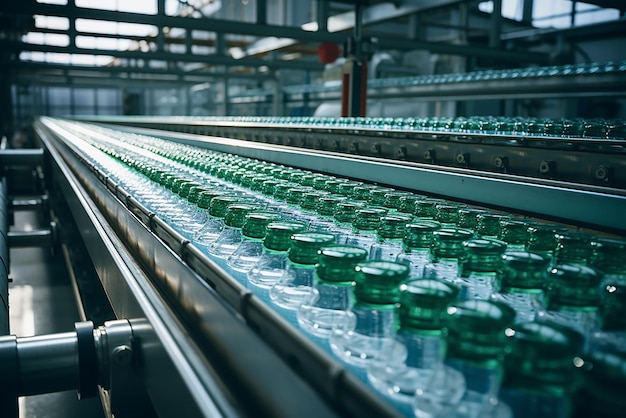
(416, 246)
(573, 297)
(377, 295)
(477, 344)
(272, 264)
(230, 237)
(295, 287)
(447, 251)
(480, 268)
(214, 225)
(522, 283)
(408, 366)
(333, 287)
(250, 249)
(390, 235)
(540, 375)
(365, 226)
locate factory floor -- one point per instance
(41, 301)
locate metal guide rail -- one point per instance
(209, 347)
(586, 205)
(583, 161)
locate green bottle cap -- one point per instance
(305, 247)
(307, 180)
(205, 197)
(488, 224)
(420, 234)
(392, 227)
(346, 188)
(424, 303)
(268, 187)
(255, 224)
(247, 179)
(427, 208)
(282, 189)
(393, 200)
(572, 286)
(542, 358)
(219, 205)
(319, 182)
(185, 188)
(609, 256)
(346, 211)
(573, 247)
(337, 263)
(482, 255)
(257, 182)
(476, 331)
(278, 235)
(311, 200)
(368, 219)
(447, 213)
(377, 195)
(328, 204)
(542, 237)
(514, 231)
(362, 192)
(378, 282)
(523, 271)
(408, 202)
(194, 193)
(236, 214)
(295, 195)
(449, 242)
(468, 217)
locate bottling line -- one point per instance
(169, 331)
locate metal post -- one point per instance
(495, 27)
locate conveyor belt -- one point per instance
(209, 347)
(575, 180)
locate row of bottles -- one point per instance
(568, 70)
(596, 128)
(446, 309)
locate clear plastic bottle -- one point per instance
(522, 282)
(417, 242)
(573, 297)
(214, 225)
(480, 268)
(295, 287)
(250, 249)
(477, 344)
(230, 237)
(333, 284)
(446, 253)
(365, 226)
(390, 237)
(540, 375)
(272, 264)
(403, 369)
(377, 295)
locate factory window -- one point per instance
(136, 6)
